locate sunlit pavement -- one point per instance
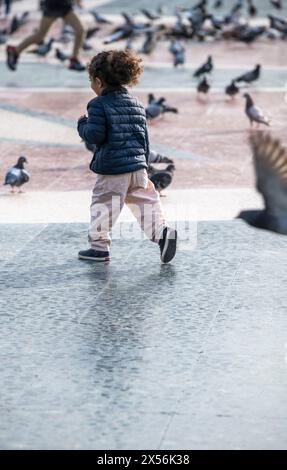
(135, 354)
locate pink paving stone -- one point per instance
(217, 131)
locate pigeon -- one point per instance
(149, 15)
(277, 4)
(279, 24)
(205, 68)
(61, 56)
(128, 18)
(196, 17)
(251, 76)
(18, 22)
(252, 10)
(86, 46)
(178, 52)
(66, 35)
(149, 44)
(99, 18)
(162, 178)
(43, 49)
(203, 86)
(254, 113)
(248, 34)
(3, 38)
(158, 107)
(232, 90)
(218, 4)
(270, 163)
(237, 7)
(17, 175)
(91, 32)
(155, 157)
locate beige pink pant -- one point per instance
(110, 194)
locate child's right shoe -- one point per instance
(168, 244)
(12, 57)
(94, 255)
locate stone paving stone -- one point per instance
(78, 358)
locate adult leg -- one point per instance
(7, 7)
(73, 20)
(37, 37)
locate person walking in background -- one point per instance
(52, 10)
(7, 6)
(116, 123)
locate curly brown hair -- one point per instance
(116, 68)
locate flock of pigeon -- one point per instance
(158, 107)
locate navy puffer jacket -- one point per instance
(116, 123)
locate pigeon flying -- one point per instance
(270, 163)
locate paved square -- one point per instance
(135, 354)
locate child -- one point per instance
(116, 123)
(52, 10)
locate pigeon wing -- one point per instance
(257, 115)
(13, 176)
(24, 177)
(270, 161)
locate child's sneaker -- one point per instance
(94, 255)
(12, 57)
(167, 244)
(75, 64)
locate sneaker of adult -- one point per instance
(12, 57)
(94, 255)
(168, 244)
(75, 64)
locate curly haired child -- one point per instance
(116, 123)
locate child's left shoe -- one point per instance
(94, 255)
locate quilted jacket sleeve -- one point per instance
(92, 129)
(147, 146)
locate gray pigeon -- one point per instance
(270, 162)
(251, 76)
(17, 175)
(232, 90)
(178, 51)
(254, 113)
(157, 107)
(162, 178)
(207, 67)
(43, 49)
(61, 56)
(99, 18)
(155, 157)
